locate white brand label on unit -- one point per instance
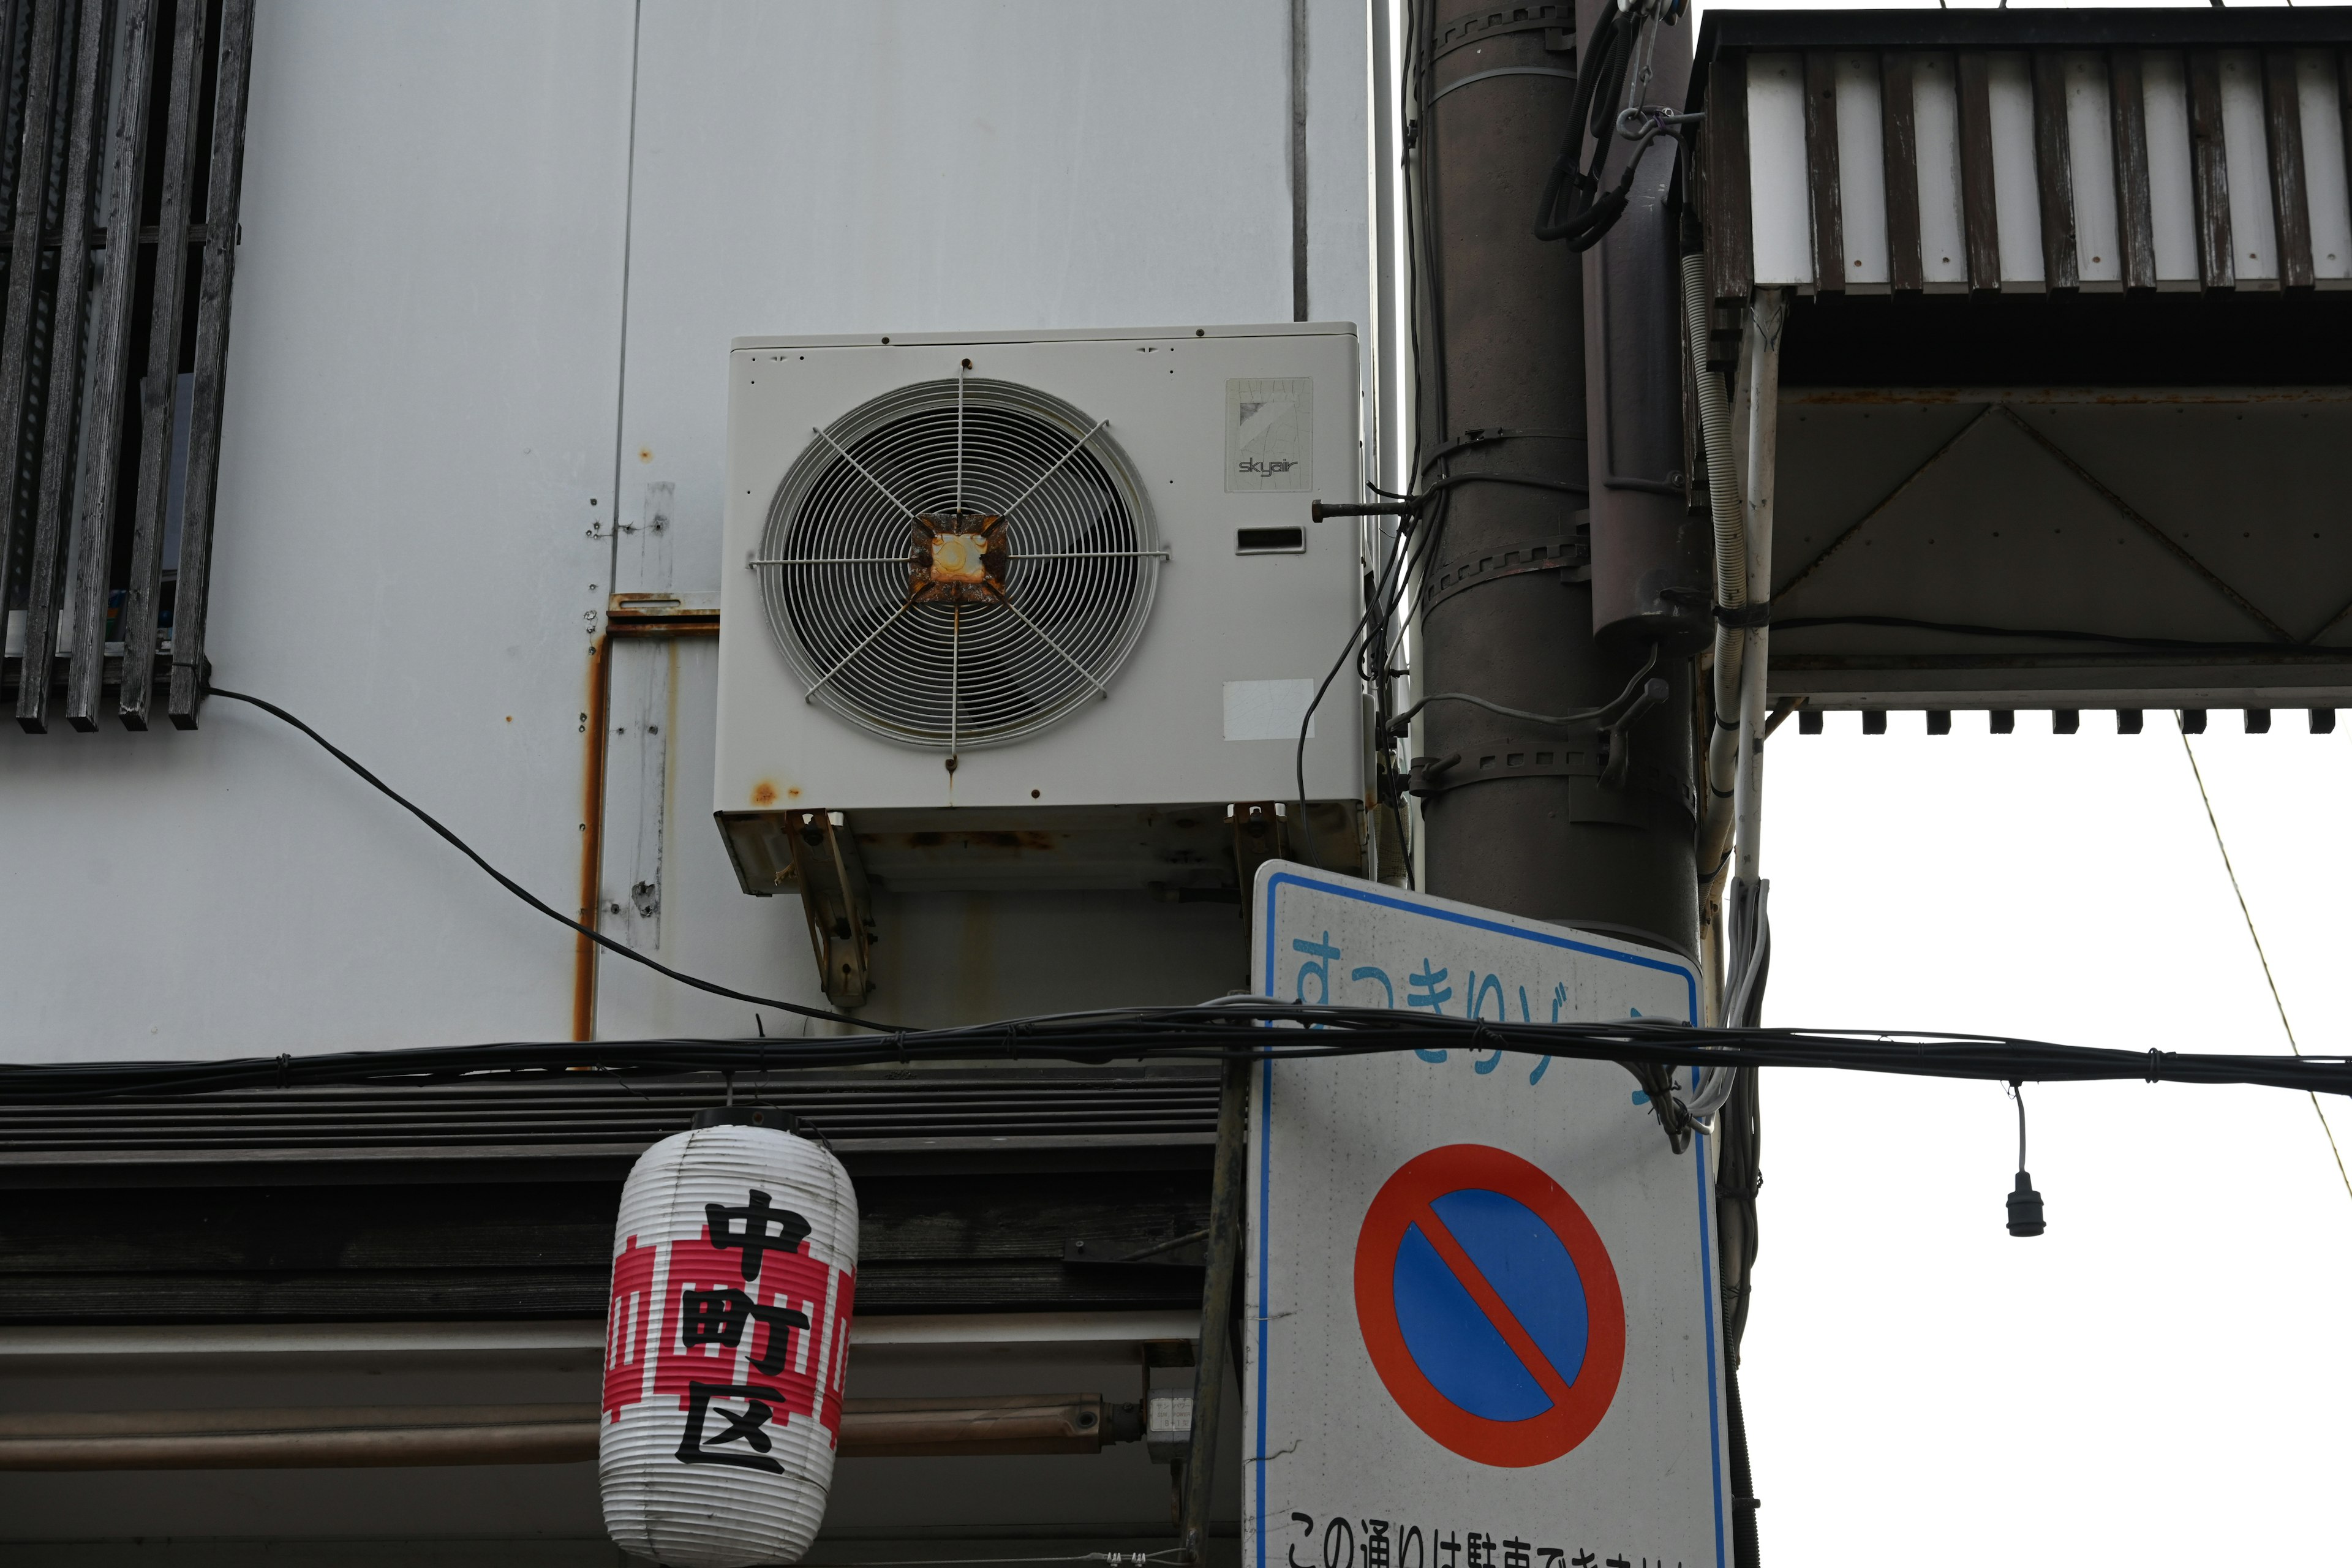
(1267, 710)
(1270, 433)
(1483, 1321)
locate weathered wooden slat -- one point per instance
(1897, 109)
(2135, 211)
(25, 230)
(2290, 201)
(1730, 242)
(2053, 172)
(2342, 61)
(193, 595)
(1979, 209)
(43, 591)
(2209, 159)
(1822, 171)
(12, 16)
(97, 237)
(158, 392)
(97, 500)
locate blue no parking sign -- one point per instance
(1489, 1306)
(1481, 1285)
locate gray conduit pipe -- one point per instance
(359, 1438)
(1730, 569)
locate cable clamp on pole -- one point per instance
(1747, 617)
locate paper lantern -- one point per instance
(734, 1264)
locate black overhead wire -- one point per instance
(2261, 955)
(1239, 1028)
(1751, 618)
(517, 889)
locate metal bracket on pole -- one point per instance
(837, 899)
(1261, 833)
(1226, 1231)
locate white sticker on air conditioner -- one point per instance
(1270, 433)
(1267, 710)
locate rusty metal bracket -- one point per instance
(837, 899)
(1261, 833)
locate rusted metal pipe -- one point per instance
(631, 617)
(591, 838)
(300, 1439)
(385, 1436)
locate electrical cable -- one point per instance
(2268, 979)
(1243, 1029)
(517, 889)
(1962, 628)
(1642, 693)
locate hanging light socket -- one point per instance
(2024, 1209)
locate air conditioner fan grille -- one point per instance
(959, 565)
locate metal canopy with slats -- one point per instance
(120, 120)
(2069, 292)
(2026, 152)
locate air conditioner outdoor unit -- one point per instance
(1039, 609)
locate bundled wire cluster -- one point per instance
(1251, 1028)
(1614, 67)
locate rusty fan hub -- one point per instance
(958, 558)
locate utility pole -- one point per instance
(1557, 822)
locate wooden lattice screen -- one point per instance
(120, 140)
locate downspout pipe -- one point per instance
(1759, 363)
(1730, 576)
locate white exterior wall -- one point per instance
(492, 258)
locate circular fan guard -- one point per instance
(958, 563)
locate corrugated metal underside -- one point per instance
(2203, 516)
(474, 1203)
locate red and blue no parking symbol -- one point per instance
(1489, 1306)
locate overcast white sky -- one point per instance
(2155, 1379)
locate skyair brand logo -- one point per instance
(1270, 433)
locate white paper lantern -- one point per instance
(734, 1264)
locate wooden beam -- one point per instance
(1822, 171)
(159, 391)
(1980, 211)
(43, 585)
(188, 668)
(17, 342)
(1731, 231)
(2053, 172)
(2135, 212)
(2283, 134)
(2208, 160)
(123, 185)
(1899, 135)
